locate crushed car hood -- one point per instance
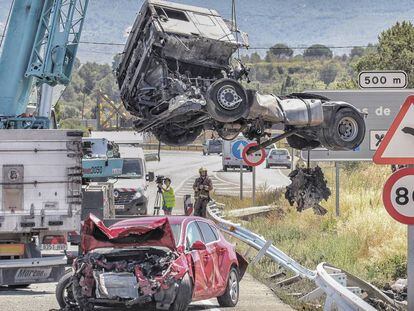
(144, 231)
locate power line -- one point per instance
(303, 47)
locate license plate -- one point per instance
(119, 206)
(54, 247)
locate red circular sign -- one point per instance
(398, 196)
(254, 159)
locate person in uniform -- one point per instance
(202, 187)
(168, 197)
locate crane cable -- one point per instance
(234, 22)
(7, 23)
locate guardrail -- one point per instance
(331, 281)
(154, 146)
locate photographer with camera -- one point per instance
(202, 187)
(168, 195)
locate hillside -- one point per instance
(296, 22)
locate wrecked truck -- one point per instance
(155, 263)
(178, 76)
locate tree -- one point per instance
(281, 50)
(357, 51)
(328, 73)
(255, 58)
(318, 51)
(395, 51)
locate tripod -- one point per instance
(158, 201)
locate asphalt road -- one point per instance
(182, 168)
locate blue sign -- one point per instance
(237, 148)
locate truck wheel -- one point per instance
(347, 130)
(231, 295)
(64, 294)
(184, 295)
(226, 100)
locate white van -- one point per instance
(232, 153)
(130, 188)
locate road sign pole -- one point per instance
(254, 186)
(241, 181)
(410, 265)
(337, 188)
(410, 268)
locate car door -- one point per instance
(217, 278)
(202, 262)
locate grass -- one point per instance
(364, 240)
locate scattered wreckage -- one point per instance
(154, 262)
(177, 75)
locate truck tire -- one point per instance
(227, 100)
(184, 295)
(231, 295)
(347, 130)
(64, 295)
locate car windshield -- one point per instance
(132, 168)
(215, 142)
(176, 229)
(279, 152)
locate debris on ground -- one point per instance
(308, 189)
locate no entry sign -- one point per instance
(398, 196)
(254, 159)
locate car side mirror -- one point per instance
(198, 246)
(150, 176)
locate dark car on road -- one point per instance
(212, 146)
(162, 263)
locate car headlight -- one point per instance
(137, 195)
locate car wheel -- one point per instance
(250, 168)
(184, 295)
(231, 295)
(346, 131)
(64, 294)
(225, 168)
(227, 100)
(267, 165)
(204, 153)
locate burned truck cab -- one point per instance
(178, 76)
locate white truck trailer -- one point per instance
(40, 195)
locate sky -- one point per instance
(295, 22)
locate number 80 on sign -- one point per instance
(398, 196)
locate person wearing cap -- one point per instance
(202, 187)
(168, 197)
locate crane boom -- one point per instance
(40, 47)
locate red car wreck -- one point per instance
(157, 262)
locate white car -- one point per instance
(278, 157)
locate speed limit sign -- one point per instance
(398, 196)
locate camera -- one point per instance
(159, 179)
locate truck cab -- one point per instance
(130, 187)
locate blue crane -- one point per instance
(40, 48)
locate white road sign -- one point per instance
(375, 138)
(398, 144)
(383, 79)
(398, 196)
